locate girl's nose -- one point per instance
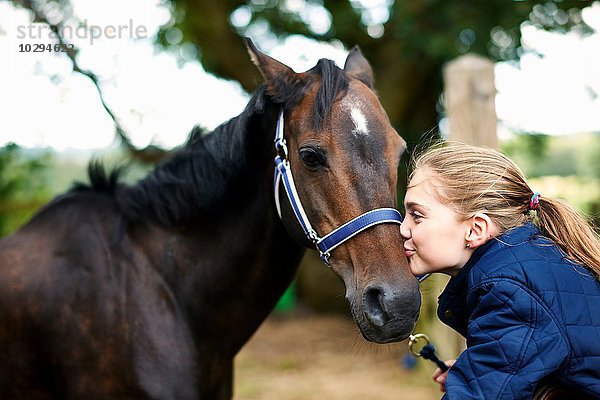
(404, 230)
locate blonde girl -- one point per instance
(524, 289)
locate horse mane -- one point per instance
(101, 180)
(333, 83)
(201, 175)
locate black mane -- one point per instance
(101, 180)
(333, 82)
(202, 175)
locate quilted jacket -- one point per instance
(526, 313)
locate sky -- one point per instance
(43, 103)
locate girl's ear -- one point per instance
(481, 228)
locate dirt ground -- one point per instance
(303, 356)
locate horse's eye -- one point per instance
(311, 157)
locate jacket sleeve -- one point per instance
(512, 342)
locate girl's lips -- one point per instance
(409, 252)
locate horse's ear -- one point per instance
(358, 67)
(277, 75)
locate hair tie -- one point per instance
(534, 203)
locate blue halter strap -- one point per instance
(325, 244)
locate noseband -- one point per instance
(325, 244)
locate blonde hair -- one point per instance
(471, 179)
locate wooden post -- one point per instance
(470, 94)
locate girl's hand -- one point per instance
(440, 377)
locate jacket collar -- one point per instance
(452, 309)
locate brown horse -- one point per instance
(149, 291)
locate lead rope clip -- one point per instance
(427, 351)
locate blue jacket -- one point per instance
(526, 313)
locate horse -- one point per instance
(148, 290)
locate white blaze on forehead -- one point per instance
(358, 117)
(360, 122)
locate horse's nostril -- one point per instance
(374, 301)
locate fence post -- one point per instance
(469, 97)
(470, 94)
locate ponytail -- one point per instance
(570, 231)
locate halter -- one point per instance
(325, 244)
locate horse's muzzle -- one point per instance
(385, 312)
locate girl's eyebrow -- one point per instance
(412, 204)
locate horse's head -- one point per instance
(343, 155)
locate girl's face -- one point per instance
(435, 239)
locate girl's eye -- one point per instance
(312, 157)
(416, 215)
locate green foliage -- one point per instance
(541, 155)
(534, 145)
(566, 167)
(589, 160)
(29, 178)
(23, 186)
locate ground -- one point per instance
(302, 356)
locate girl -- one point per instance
(524, 289)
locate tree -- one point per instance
(407, 42)
(23, 186)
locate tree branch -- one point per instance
(149, 154)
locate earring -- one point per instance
(469, 245)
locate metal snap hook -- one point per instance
(412, 341)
